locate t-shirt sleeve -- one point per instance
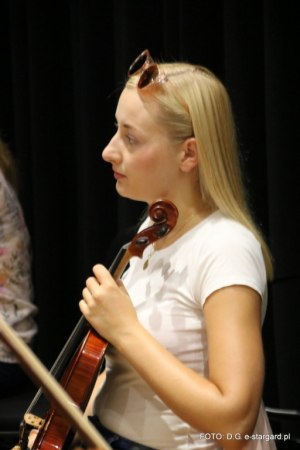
(232, 257)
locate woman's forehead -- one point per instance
(134, 111)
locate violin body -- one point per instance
(84, 365)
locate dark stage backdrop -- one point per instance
(63, 64)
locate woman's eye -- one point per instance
(130, 139)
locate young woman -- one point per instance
(185, 365)
(16, 293)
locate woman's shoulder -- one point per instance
(225, 253)
(222, 230)
(224, 241)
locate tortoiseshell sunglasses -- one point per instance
(150, 71)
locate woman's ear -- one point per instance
(189, 155)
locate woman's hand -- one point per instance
(31, 438)
(107, 306)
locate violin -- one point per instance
(79, 378)
(40, 375)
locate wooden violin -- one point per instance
(82, 371)
(52, 388)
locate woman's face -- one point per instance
(144, 162)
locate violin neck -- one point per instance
(120, 262)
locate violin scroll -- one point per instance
(164, 214)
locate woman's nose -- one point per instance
(111, 153)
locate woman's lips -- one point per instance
(118, 176)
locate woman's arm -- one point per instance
(228, 402)
(98, 384)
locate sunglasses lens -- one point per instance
(137, 64)
(148, 76)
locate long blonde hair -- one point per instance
(193, 102)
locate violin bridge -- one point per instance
(34, 421)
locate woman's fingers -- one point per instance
(106, 305)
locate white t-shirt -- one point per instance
(16, 293)
(169, 297)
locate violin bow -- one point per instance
(52, 389)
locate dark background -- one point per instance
(63, 64)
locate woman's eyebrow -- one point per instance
(124, 124)
(127, 126)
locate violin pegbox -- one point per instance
(164, 215)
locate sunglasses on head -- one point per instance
(150, 71)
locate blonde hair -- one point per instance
(193, 102)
